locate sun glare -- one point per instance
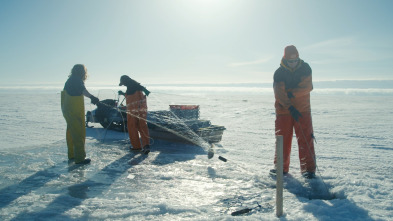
(207, 9)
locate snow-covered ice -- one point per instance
(178, 182)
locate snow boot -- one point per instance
(146, 149)
(308, 175)
(273, 172)
(85, 161)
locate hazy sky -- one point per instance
(201, 41)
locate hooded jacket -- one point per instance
(298, 81)
(132, 85)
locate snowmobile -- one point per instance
(180, 123)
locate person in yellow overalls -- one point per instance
(73, 108)
(136, 113)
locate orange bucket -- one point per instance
(183, 107)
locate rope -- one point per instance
(198, 141)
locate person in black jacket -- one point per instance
(136, 113)
(292, 86)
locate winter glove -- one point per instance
(294, 113)
(147, 92)
(121, 93)
(290, 95)
(94, 100)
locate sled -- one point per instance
(181, 123)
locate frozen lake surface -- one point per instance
(178, 182)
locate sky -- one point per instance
(192, 41)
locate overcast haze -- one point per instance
(205, 41)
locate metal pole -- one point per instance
(279, 175)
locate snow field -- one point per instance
(178, 182)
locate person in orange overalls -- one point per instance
(136, 114)
(292, 86)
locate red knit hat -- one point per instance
(290, 50)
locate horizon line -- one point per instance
(96, 83)
(332, 84)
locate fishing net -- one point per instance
(167, 121)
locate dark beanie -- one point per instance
(124, 79)
(290, 50)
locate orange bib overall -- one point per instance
(136, 119)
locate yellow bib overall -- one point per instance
(73, 109)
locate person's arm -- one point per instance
(281, 94)
(147, 92)
(86, 93)
(93, 99)
(304, 87)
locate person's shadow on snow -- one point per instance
(26, 186)
(317, 189)
(77, 193)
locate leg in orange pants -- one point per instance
(305, 139)
(284, 127)
(136, 120)
(304, 132)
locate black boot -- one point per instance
(85, 161)
(146, 149)
(273, 172)
(308, 175)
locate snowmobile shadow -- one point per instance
(74, 195)
(169, 152)
(103, 134)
